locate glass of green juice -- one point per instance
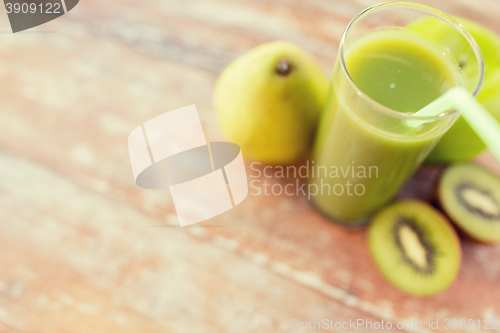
(385, 71)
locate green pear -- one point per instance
(268, 101)
(461, 143)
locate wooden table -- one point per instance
(83, 249)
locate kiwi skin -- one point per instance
(443, 251)
(466, 230)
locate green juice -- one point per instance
(376, 153)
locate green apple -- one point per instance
(461, 143)
(268, 101)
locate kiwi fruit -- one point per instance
(415, 247)
(470, 195)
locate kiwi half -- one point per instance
(470, 195)
(415, 247)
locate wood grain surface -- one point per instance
(83, 249)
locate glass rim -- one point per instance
(429, 10)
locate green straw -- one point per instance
(481, 121)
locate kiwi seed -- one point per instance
(478, 201)
(416, 249)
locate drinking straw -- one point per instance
(481, 121)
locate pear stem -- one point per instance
(283, 67)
